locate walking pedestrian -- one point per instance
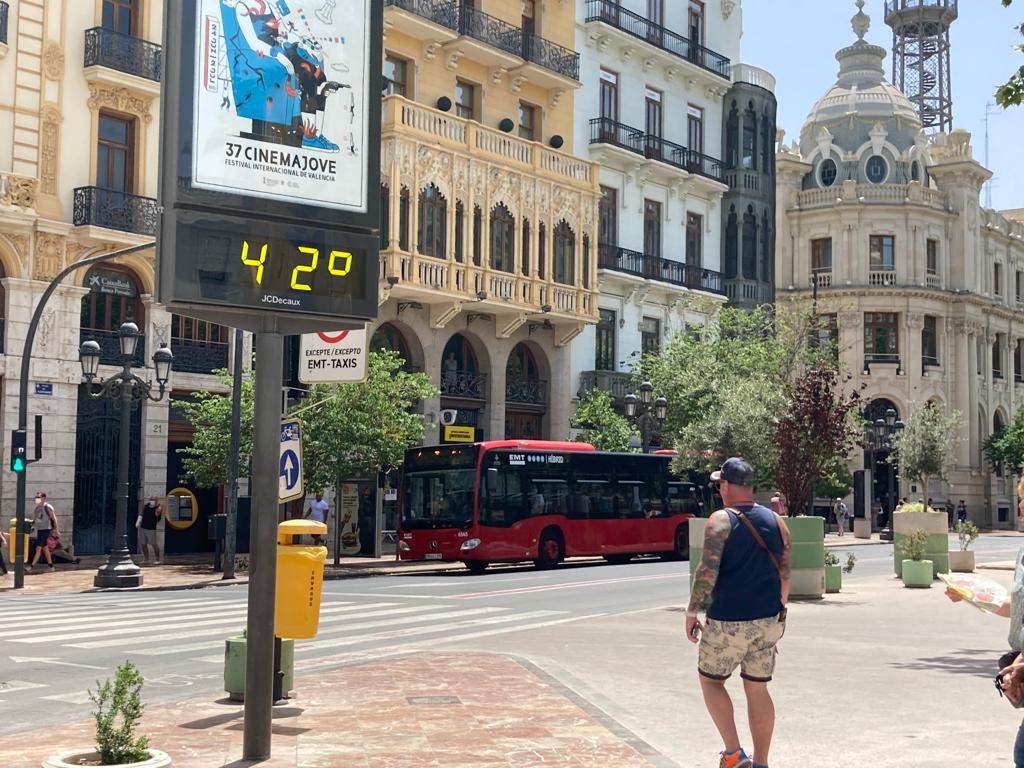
(961, 512)
(317, 512)
(742, 583)
(44, 522)
(840, 511)
(145, 523)
(950, 511)
(3, 546)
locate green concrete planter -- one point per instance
(917, 573)
(935, 524)
(807, 556)
(234, 667)
(833, 578)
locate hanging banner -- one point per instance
(281, 100)
(349, 520)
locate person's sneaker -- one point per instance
(157, 562)
(51, 566)
(737, 759)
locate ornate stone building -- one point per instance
(880, 228)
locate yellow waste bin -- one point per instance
(300, 579)
(26, 533)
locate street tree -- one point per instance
(836, 482)
(926, 446)
(1006, 446)
(1011, 93)
(205, 461)
(816, 429)
(597, 423)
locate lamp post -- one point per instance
(647, 416)
(128, 389)
(879, 435)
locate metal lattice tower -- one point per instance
(920, 61)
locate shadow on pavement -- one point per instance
(976, 663)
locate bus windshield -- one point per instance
(438, 499)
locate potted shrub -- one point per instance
(963, 561)
(833, 572)
(917, 572)
(118, 709)
(851, 560)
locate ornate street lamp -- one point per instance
(879, 436)
(125, 387)
(646, 416)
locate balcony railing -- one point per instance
(442, 12)
(929, 361)
(934, 280)
(491, 30)
(882, 357)
(115, 210)
(604, 130)
(551, 56)
(609, 12)
(525, 391)
(882, 278)
(618, 385)
(466, 384)
(657, 268)
(132, 55)
(3, 22)
(110, 347)
(822, 276)
(191, 356)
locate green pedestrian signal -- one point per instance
(19, 444)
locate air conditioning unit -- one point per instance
(449, 416)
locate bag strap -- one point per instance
(758, 538)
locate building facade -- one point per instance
(881, 230)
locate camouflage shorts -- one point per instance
(749, 645)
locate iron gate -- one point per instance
(96, 452)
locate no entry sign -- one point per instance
(337, 357)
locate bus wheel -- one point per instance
(476, 567)
(617, 559)
(681, 549)
(551, 550)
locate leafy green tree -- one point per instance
(836, 482)
(205, 461)
(1006, 447)
(1011, 93)
(599, 424)
(926, 446)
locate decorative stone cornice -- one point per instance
(120, 99)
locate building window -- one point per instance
(503, 238)
(525, 256)
(997, 356)
(1019, 279)
(932, 256)
(656, 12)
(980, 348)
(385, 216)
(694, 239)
(460, 232)
(826, 334)
(882, 253)
(604, 359)
(189, 329)
(1018, 361)
(527, 121)
(767, 251)
(650, 336)
(115, 153)
(732, 137)
(695, 129)
(565, 254)
(915, 171)
(652, 112)
(929, 341)
(586, 261)
(119, 16)
(749, 138)
(876, 169)
(652, 228)
(609, 96)
(828, 172)
(542, 250)
(465, 100)
(695, 25)
(608, 216)
(113, 299)
(821, 255)
(395, 76)
(731, 243)
(750, 244)
(404, 201)
(997, 279)
(433, 223)
(881, 337)
(767, 144)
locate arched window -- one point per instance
(385, 216)
(750, 138)
(403, 219)
(387, 337)
(565, 254)
(478, 235)
(522, 364)
(766, 248)
(503, 238)
(432, 238)
(750, 244)
(731, 244)
(113, 299)
(732, 138)
(586, 261)
(767, 143)
(915, 171)
(460, 232)
(525, 258)
(542, 250)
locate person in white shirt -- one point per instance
(318, 512)
(840, 510)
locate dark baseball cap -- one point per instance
(735, 471)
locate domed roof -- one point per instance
(861, 90)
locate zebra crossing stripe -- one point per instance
(99, 627)
(82, 611)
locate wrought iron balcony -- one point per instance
(488, 29)
(115, 210)
(191, 356)
(618, 385)
(635, 25)
(132, 55)
(110, 347)
(656, 268)
(704, 165)
(3, 22)
(551, 56)
(466, 384)
(442, 12)
(519, 389)
(604, 130)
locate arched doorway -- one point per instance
(390, 338)
(113, 299)
(884, 478)
(525, 395)
(464, 389)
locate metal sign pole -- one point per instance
(259, 663)
(231, 523)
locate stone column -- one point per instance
(432, 349)
(912, 363)
(960, 376)
(496, 384)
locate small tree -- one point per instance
(600, 425)
(926, 445)
(205, 461)
(1006, 447)
(815, 431)
(118, 710)
(836, 482)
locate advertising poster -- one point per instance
(349, 519)
(281, 100)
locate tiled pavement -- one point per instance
(454, 710)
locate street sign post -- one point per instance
(333, 358)
(290, 485)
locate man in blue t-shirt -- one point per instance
(742, 582)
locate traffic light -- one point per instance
(19, 445)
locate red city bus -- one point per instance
(517, 500)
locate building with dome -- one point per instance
(880, 228)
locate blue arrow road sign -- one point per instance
(290, 469)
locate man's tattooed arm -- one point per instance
(715, 533)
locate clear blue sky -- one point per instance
(796, 41)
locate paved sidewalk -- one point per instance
(466, 710)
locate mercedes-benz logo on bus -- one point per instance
(433, 544)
